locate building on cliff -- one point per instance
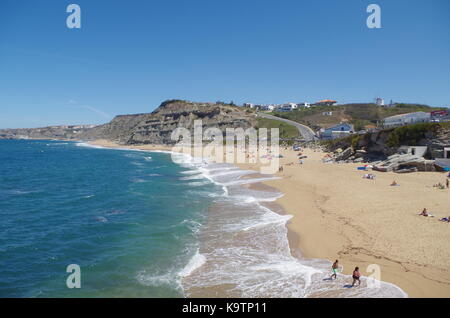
(337, 131)
(406, 119)
(326, 102)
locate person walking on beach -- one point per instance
(356, 275)
(447, 183)
(334, 269)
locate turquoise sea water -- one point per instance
(128, 218)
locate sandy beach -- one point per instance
(340, 215)
(337, 214)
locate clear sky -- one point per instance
(131, 55)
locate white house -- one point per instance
(287, 107)
(337, 131)
(406, 119)
(249, 105)
(418, 151)
(379, 101)
(304, 105)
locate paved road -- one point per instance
(307, 133)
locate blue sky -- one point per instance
(129, 56)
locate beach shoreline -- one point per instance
(332, 219)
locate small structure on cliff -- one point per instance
(444, 163)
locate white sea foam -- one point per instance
(194, 177)
(195, 262)
(245, 247)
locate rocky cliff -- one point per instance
(384, 143)
(151, 128)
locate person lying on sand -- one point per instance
(394, 183)
(447, 219)
(334, 268)
(356, 275)
(439, 186)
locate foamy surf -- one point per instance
(244, 251)
(195, 262)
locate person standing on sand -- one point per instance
(447, 183)
(334, 269)
(356, 275)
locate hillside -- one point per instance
(149, 128)
(360, 115)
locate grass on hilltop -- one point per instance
(286, 131)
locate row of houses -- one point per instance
(416, 117)
(287, 107)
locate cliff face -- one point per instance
(156, 127)
(384, 143)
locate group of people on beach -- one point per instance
(356, 274)
(441, 186)
(426, 213)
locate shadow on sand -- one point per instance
(348, 286)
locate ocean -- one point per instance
(147, 224)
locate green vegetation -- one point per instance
(360, 115)
(286, 130)
(333, 144)
(409, 135)
(412, 134)
(171, 101)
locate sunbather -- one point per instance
(424, 212)
(447, 219)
